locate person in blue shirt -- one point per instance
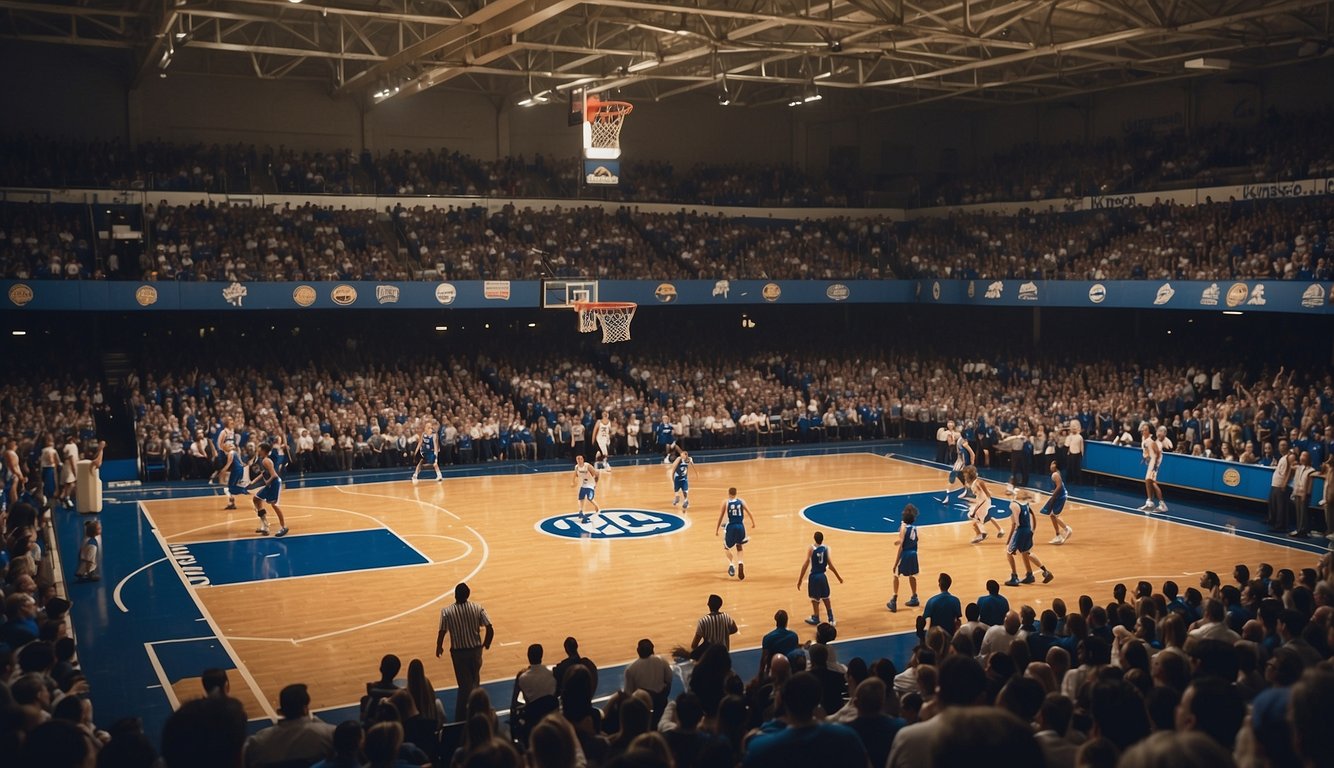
(736, 511)
(779, 640)
(426, 453)
(806, 740)
(905, 559)
(1021, 541)
(271, 486)
(943, 610)
(992, 607)
(817, 589)
(680, 474)
(233, 472)
(1056, 503)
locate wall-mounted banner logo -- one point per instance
(665, 293)
(838, 292)
(146, 295)
(972, 288)
(1313, 296)
(1257, 298)
(303, 295)
(935, 290)
(1098, 293)
(995, 290)
(1236, 295)
(386, 294)
(1164, 295)
(499, 290)
(234, 294)
(602, 172)
(343, 295)
(722, 288)
(20, 295)
(445, 293)
(1209, 296)
(771, 291)
(613, 524)
(1231, 478)
(1028, 291)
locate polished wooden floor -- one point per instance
(330, 631)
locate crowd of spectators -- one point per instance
(1234, 672)
(1255, 240)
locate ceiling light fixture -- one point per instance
(641, 66)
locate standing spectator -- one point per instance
(715, 626)
(992, 607)
(1074, 456)
(1277, 519)
(1302, 476)
(68, 465)
(779, 640)
(462, 621)
(943, 609)
(573, 657)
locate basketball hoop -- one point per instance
(604, 120)
(613, 316)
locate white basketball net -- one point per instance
(606, 125)
(615, 322)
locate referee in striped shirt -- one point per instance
(462, 620)
(715, 626)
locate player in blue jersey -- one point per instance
(980, 512)
(1056, 503)
(680, 474)
(426, 453)
(735, 511)
(586, 477)
(271, 486)
(961, 456)
(817, 588)
(232, 473)
(905, 559)
(667, 438)
(1021, 541)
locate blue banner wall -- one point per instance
(1226, 478)
(1235, 296)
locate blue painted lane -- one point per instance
(236, 561)
(884, 514)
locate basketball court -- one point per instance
(368, 566)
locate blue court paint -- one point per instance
(883, 514)
(189, 658)
(215, 563)
(613, 524)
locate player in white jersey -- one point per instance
(602, 436)
(735, 512)
(1153, 459)
(980, 511)
(586, 477)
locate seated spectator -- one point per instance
(297, 736)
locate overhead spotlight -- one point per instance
(836, 46)
(533, 99)
(294, 2)
(165, 61)
(724, 95)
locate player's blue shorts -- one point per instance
(734, 535)
(681, 484)
(586, 493)
(954, 475)
(428, 457)
(1054, 505)
(49, 481)
(1021, 541)
(270, 492)
(817, 588)
(908, 564)
(237, 488)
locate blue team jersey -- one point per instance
(428, 444)
(668, 433)
(682, 470)
(237, 469)
(909, 539)
(819, 560)
(1025, 520)
(736, 514)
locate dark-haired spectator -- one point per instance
(780, 639)
(1176, 750)
(965, 734)
(297, 736)
(390, 665)
(943, 609)
(992, 606)
(205, 733)
(805, 740)
(650, 673)
(1118, 713)
(962, 683)
(348, 737)
(57, 744)
(1213, 707)
(572, 657)
(1052, 731)
(875, 728)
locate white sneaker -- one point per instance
(979, 539)
(1056, 540)
(414, 479)
(1066, 536)
(1147, 505)
(1162, 506)
(1330, 536)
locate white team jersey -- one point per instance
(603, 432)
(585, 474)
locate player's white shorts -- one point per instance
(1152, 472)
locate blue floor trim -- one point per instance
(884, 514)
(238, 561)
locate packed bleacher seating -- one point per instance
(1273, 240)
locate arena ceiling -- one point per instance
(867, 55)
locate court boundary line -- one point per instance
(1311, 547)
(223, 523)
(241, 668)
(115, 593)
(161, 673)
(280, 579)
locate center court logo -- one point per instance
(614, 524)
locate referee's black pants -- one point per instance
(468, 674)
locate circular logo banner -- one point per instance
(614, 524)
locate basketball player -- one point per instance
(50, 463)
(68, 463)
(1021, 541)
(1056, 503)
(963, 456)
(680, 472)
(980, 512)
(1153, 458)
(233, 472)
(278, 452)
(426, 455)
(735, 510)
(12, 473)
(667, 436)
(271, 486)
(225, 435)
(602, 436)
(905, 559)
(586, 477)
(817, 589)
